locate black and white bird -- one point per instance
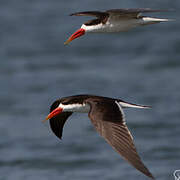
(107, 116)
(115, 20)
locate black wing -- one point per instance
(101, 17)
(97, 14)
(135, 11)
(132, 12)
(57, 123)
(108, 120)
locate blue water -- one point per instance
(140, 66)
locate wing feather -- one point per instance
(57, 123)
(90, 13)
(121, 13)
(116, 132)
(133, 12)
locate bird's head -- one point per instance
(77, 34)
(68, 104)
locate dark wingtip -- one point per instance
(74, 14)
(150, 175)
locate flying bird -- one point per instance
(114, 20)
(107, 116)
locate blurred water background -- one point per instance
(140, 66)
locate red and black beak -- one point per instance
(54, 113)
(77, 34)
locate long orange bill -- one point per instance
(54, 113)
(77, 34)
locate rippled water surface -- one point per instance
(140, 66)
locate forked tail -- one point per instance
(131, 105)
(151, 20)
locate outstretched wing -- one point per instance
(97, 14)
(101, 17)
(132, 13)
(57, 122)
(108, 120)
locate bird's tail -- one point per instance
(151, 20)
(131, 105)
